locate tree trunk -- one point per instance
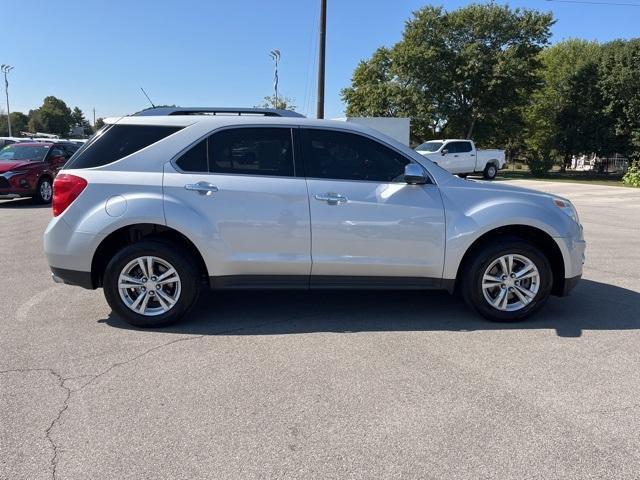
(473, 124)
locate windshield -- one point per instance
(429, 146)
(34, 153)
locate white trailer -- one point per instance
(397, 128)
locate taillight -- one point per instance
(66, 189)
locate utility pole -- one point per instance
(94, 117)
(321, 45)
(275, 56)
(6, 69)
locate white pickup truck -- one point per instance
(462, 158)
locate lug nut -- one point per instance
(153, 279)
(152, 293)
(513, 275)
(503, 286)
(144, 279)
(511, 289)
(144, 289)
(157, 287)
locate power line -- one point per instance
(310, 70)
(586, 2)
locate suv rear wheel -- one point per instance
(151, 284)
(507, 281)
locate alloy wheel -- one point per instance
(510, 282)
(46, 190)
(149, 286)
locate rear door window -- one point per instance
(252, 151)
(116, 142)
(194, 159)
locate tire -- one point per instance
(490, 171)
(484, 261)
(184, 292)
(44, 191)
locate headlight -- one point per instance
(567, 207)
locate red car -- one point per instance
(27, 169)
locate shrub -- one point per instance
(632, 177)
(539, 163)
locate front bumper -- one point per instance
(569, 284)
(8, 194)
(573, 252)
(16, 185)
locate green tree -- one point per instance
(52, 117)
(582, 125)
(620, 84)
(99, 124)
(79, 120)
(77, 116)
(468, 72)
(376, 91)
(284, 103)
(19, 122)
(566, 115)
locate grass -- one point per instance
(609, 180)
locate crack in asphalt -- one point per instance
(65, 404)
(68, 391)
(55, 421)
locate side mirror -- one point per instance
(444, 151)
(414, 174)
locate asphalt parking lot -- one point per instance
(324, 385)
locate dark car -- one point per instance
(27, 169)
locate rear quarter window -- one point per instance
(117, 141)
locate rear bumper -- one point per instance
(72, 277)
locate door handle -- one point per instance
(332, 198)
(203, 188)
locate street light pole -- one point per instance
(275, 56)
(321, 45)
(6, 69)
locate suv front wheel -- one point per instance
(507, 281)
(151, 284)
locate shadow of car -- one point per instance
(590, 307)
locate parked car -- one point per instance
(154, 208)
(4, 141)
(462, 158)
(27, 169)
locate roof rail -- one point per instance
(266, 112)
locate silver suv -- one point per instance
(154, 208)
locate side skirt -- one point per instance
(303, 282)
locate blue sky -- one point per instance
(201, 53)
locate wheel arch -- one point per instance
(134, 233)
(46, 174)
(545, 242)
